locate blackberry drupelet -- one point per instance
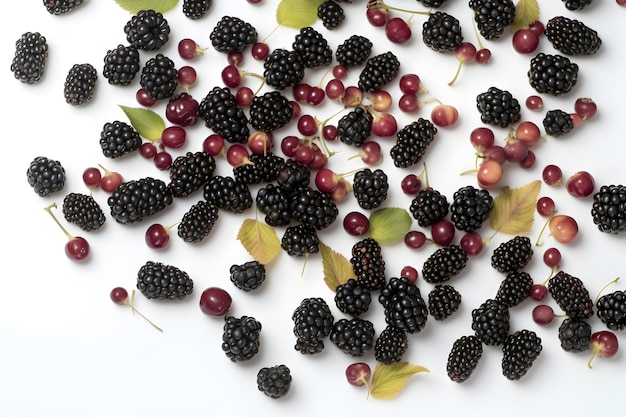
(378, 71)
(121, 65)
(274, 381)
(228, 194)
(196, 9)
(135, 200)
(312, 47)
(247, 276)
(84, 211)
(30, 58)
(463, 358)
(271, 201)
(492, 16)
(552, 74)
(391, 345)
(46, 176)
(231, 34)
(313, 321)
(444, 263)
(293, 176)
(470, 208)
(222, 114)
(429, 206)
(270, 111)
(313, 208)
(262, 168)
(190, 172)
(609, 208)
(512, 255)
(442, 32)
(198, 222)
(515, 288)
(498, 107)
(331, 14)
(432, 3)
(80, 84)
(119, 138)
(443, 301)
(283, 68)
(491, 322)
(241, 337)
(557, 123)
(355, 127)
(520, 351)
(147, 30)
(354, 336)
(571, 36)
(404, 306)
(57, 7)
(300, 240)
(575, 335)
(576, 4)
(352, 299)
(571, 295)
(611, 310)
(353, 51)
(370, 188)
(368, 264)
(412, 141)
(158, 77)
(159, 281)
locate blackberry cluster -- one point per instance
(46, 176)
(271, 201)
(293, 176)
(575, 335)
(463, 358)
(196, 9)
(378, 71)
(391, 345)
(470, 208)
(147, 30)
(355, 127)
(313, 208)
(512, 255)
(84, 211)
(576, 4)
(57, 7)
(520, 351)
(331, 14)
(429, 206)
(498, 107)
(571, 295)
(121, 65)
(353, 51)
(262, 168)
(30, 58)
(411, 142)
(552, 74)
(119, 138)
(557, 122)
(159, 281)
(190, 172)
(404, 306)
(270, 111)
(571, 36)
(283, 68)
(515, 288)
(491, 322)
(611, 310)
(313, 321)
(80, 84)
(135, 200)
(300, 240)
(444, 263)
(198, 222)
(220, 112)
(231, 34)
(312, 47)
(492, 16)
(609, 208)
(370, 188)
(368, 264)
(443, 301)
(354, 337)
(247, 276)
(158, 77)
(352, 299)
(274, 381)
(228, 194)
(442, 32)
(241, 337)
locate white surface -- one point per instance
(67, 350)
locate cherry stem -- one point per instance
(270, 34)
(382, 5)
(596, 351)
(49, 210)
(539, 242)
(107, 172)
(458, 71)
(480, 44)
(604, 288)
(131, 304)
(252, 74)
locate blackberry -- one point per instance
(609, 208)
(312, 47)
(80, 84)
(391, 345)
(370, 188)
(491, 322)
(331, 14)
(118, 138)
(520, 351)
(512, 255)
(492, 16)
(557, 122)
(198, 222)
(57, 7)
(498, 107)
(378, 71)
(443, 301)
(196, 9)
(412, 141)
(552, 74)
(515, 288)
(404, 306)
(355, 127)
(572, 37)
(432, 3)
(444, 263)
(442, 32)
(575, 335)
(470, 208)
(274, 381)
(300, 240)
(368, 264)
(270, 111)
(220, 112)
(241, 337)
(147, 30)
(190, 172)
(283, 68)
(354, 337)
(228, 194)
(121, 65)
(133, 201)
(293, 176)
(313, 208)
(159, 281)
(30, 58)
(429, 206)
(313, 321)
(262, 168)
(46, 176)
(576, 4)
(352, 299)
(611, 310)
(231, 34)
(247, 276)
(84, 211)
(463, 358)
(353, 51)
(271, 201)
(158, 77)
(571, 295)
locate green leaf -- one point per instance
(297, 13)
(260, 240)
(133, 6)
(337, 268)
(145, 121)
(526, 12)
(514, 209)
(389, 225)
(389, 379)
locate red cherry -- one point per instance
(215, 301)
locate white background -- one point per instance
(67, 350)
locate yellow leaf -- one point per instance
(514, 209)
(526, 12)
(337, 268)
(297, 13)
(389, 379)
(260, 240)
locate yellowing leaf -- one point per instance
(133, 6)
(337, 268)
(145, 121)
(389, 379)
(389, 225)
(297, 13)
(526, 12)
(514, 209)
(260, 240)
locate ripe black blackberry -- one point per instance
(313, 321)
(158, 77)
(368, 264)
(247, 276)
(222, 114)
(231, 34)
(271, 201)
(571, 36)
(355, 127)
(443, 301)
(515, 288)
(196, 9)
(262, 168)
(498, 107)
(463, 358)
(57, 7)
(520, 351)
(313, 208)
(147, 30)
(241, 337)
(300, 240)
(429, 206)
(404, 306)
(353, 51)
(46, 176)
(552, 74)
(80, 84)
(121, 65)
(119, 138)
(293, 176)
(283, 68)
(30, 58)
(442, 32)
(571, 295)
(492, 16)
(331, 14)
(391, 345)
(198, 222)
(412, 141)
(370, 188)
(444, 263)
(84, 211)
(611, 310)
(228, 194)
(158, 281)
(378, 71)
(470, 208)
(189, 172)
(576, 4)
(491, 322)
(312, 47)
(274, 381)
(609, 208)
(575, 335)
(432, 3)
(133, 201)
(270, 111)
(354, 336)
(352, 299)
(557, 122)
(512, 255)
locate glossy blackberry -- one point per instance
(189, 172)
(368, 264)
(293, 176)
(571, 36)
(370, 188)
(552, 74)
(498, 107)
(492, 16)
(312, 323)
(391, 345)
(121, 65)
(30, 58)
(354, 336)
(147, 30)
(609, 208)
(198, 222)
(429, 206)
(270, 111)
(241, 337)
(135, 200)
(352, 299)
(231, 34)
(412, 141)
(355, 127)
(520, 351)
(263, 168)
(158, 77)
(283, 68)
(312, 47)
(84, 211)
(274, 381)
(57, 7)
(247, 276)
(443, 301)
(515, 288)
(463, 358)
(378, 71)
(80, 84)
(353, 51)
(571, 295)
(222, 114)
(557, 123)
(300, 240)
(46, 176)
(119, 138)
(491, 322)
(331, 14)
(444, 263)
(611, 310)
(228, 194)
(271, 201)
(575, 335)
(470, 208)
(576, 4)
(196, 9)
(404, 306)
(158, 281)
(313, 208)
(442, 32)
(512, 255)
(432, 3)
